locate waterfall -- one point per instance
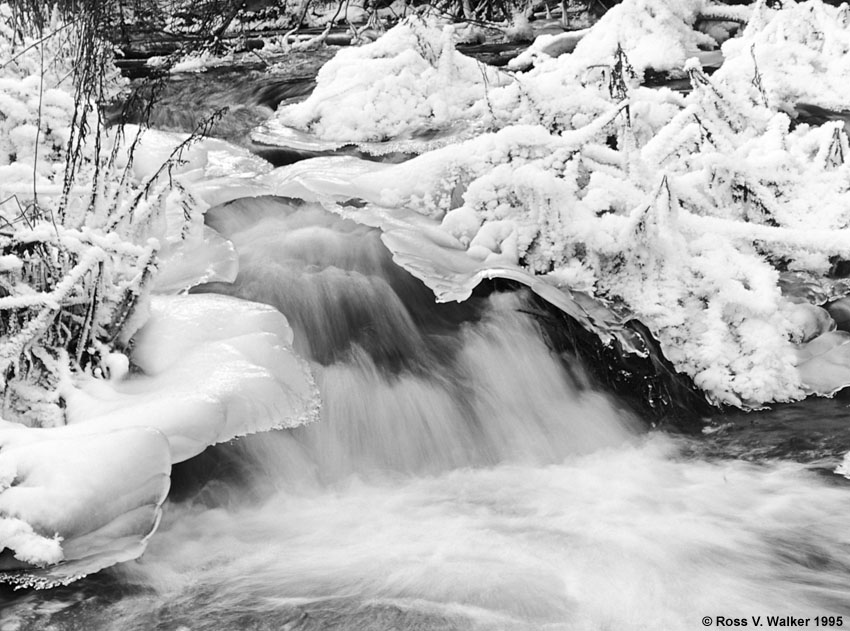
(408, 386)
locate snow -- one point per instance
(37, 104)
(656, 34)
(682, 225)
(409, 81)
(199, 62)
(79, 498)
(546, 46)
(214, 368)
(800, 52)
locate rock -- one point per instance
(840, 312)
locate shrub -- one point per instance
(75, 254)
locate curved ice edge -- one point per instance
(275, 134)
(444, 266)
(453, 275)
(66, 573)
(216, 367)
(628, 355)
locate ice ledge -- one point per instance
(79, 498)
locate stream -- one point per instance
(464, 476)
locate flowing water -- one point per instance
(462, 476)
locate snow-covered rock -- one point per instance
(409, 81)
(655, 34)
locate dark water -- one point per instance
(238, 98)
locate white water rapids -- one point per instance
(462, 476)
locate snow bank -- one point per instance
(84, 469)
(683, 212)
(84, 214)
(101, 411)
(681, 262)
(411, 83)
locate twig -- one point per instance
(36, 43)
(38, 131)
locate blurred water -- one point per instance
(462, 477)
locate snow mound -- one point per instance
(654, 34)
(547, 46)
(74, 501)
(409, 82)
(94, 221)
